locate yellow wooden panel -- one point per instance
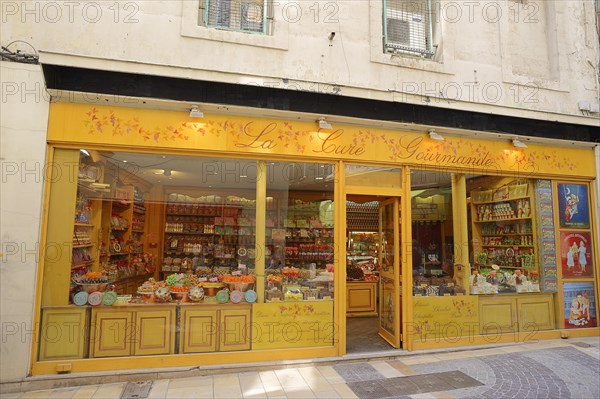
(234, 330)
(113, 332)
(278, 325)
(59, 230)
(444, 317)
(151, 128)
(198, 331)
(63, 334)
(154, 331)
(497, 314)
(360, 297)
(536, 313)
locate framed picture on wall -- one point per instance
(576, 253)
(580, 305)
(573, 205)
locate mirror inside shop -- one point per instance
(152, 228)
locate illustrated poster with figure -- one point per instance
(580, 305)
(576, 254)
(573, 206)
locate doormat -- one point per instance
(137, 390)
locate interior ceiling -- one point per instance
(188, 171)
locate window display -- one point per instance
(504, 237)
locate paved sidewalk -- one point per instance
(547, 369)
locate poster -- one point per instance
(576, 253)
(580, 305)
(573, 206)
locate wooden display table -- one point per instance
(361, 298)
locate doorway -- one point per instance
(373, 318)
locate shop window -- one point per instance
(407, 27)
(249, 16)
(299, 232)
(432, 234)
(156, 241)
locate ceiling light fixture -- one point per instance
(167, 172)
(435, 136)
(195, 112)
(519, 144)
(323, 124)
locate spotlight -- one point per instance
(195, 112)
(519, 144)
(435, 136)
(167, 172)
(85, 152)
(323, 124)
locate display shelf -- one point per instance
(501, 220)
(505, 234)
(83, 245)
(507, 246)
(83, 225)
(504, 229)
(500, 200)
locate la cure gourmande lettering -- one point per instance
(334, 143)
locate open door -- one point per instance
(389, 271)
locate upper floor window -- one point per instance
(407, 27)
(250, 16)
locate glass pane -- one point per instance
(388, 294)
(432, 234)
(504, 239)
(387, 239)
(370, 176)
(299, 232)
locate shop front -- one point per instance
(173, 241)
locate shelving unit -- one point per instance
(84, 256)
(123, 224)
(504, 229)
(215, 234)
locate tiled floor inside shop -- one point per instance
(362, 337)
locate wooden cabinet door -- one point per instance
(198, 331)
(64, 333)
(234, 330)
(536, 312)
(497, 314)
(113, 333)
(154, 332)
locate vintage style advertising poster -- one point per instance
(580, 305)
(576, 254)
(573, 206)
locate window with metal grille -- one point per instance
(250, 16)
(407, 27)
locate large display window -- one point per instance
(176, 254)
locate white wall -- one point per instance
(23, 126)
(496, 56)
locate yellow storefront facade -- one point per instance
(170, 240)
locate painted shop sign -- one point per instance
(82, 123)
(280, 325)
